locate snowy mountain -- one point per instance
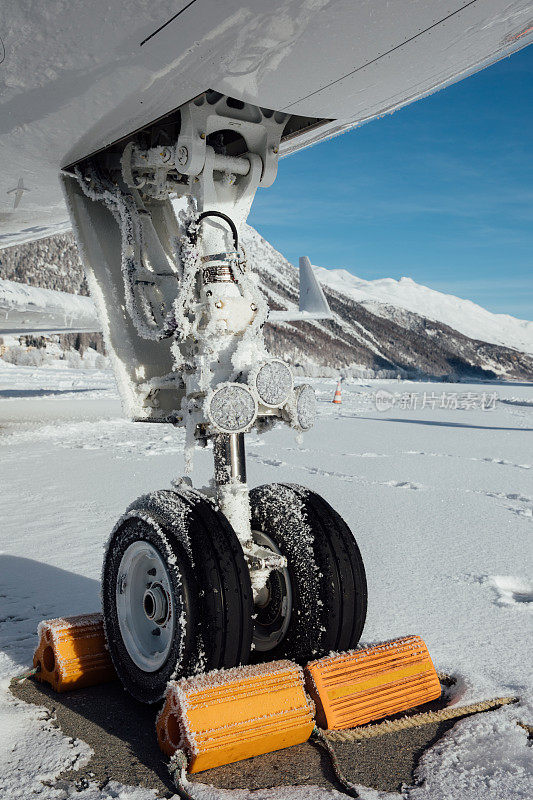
(385, 335)
(385, 295)
(381, 326)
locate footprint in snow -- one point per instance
(513, 591)
(503, 462)
(367, 455)
(299, 449)
(404, 485)
(509, 496)
(516, 401)
(515, 497)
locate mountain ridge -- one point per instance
(461, 314)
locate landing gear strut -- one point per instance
(188, 575)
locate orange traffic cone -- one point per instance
(337, 398)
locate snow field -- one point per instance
(24, 307)
(440, 501)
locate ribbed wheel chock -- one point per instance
(356, 687)
(227, 715)
(72, 653)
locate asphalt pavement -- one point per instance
(121, 733)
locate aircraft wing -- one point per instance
(78, 77)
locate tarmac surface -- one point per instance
(121, 733)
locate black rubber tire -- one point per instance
(326, 571)
(210, 586)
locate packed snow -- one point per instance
(464, 316)
(436, 486)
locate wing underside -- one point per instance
(112, 68)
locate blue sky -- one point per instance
(441, 191)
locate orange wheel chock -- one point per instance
(356, 687)
(227, 715)
(72, 652)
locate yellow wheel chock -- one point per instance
(353, 688)
(72, 653)
(227, 715)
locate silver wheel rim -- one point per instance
(145, 611)
(270, 629)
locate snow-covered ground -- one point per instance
(439, 498)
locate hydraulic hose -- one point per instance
(193, 235)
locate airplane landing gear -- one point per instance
(192, 580)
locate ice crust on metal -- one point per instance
(273, 382)
(301, 407)
(306, 407)
(231, 408)
(361, 685)
(72, 652)
(228, 715)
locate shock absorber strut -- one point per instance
(234, 500)
(230, 458)
(230, 478)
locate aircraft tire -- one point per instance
(318, 603)
(176, 593)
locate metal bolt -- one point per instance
(219, 304)
(253, 307)
(165, 154)
(156, 632)
(182, 154)
(152, 571)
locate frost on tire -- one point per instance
(201, 588)
(326, 572)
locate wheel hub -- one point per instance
(144, 606)
(273, 601)
(156, 605)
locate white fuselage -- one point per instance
(77, 76)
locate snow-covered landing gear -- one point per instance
(158, 220)
(176, 593)
(317, 603)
